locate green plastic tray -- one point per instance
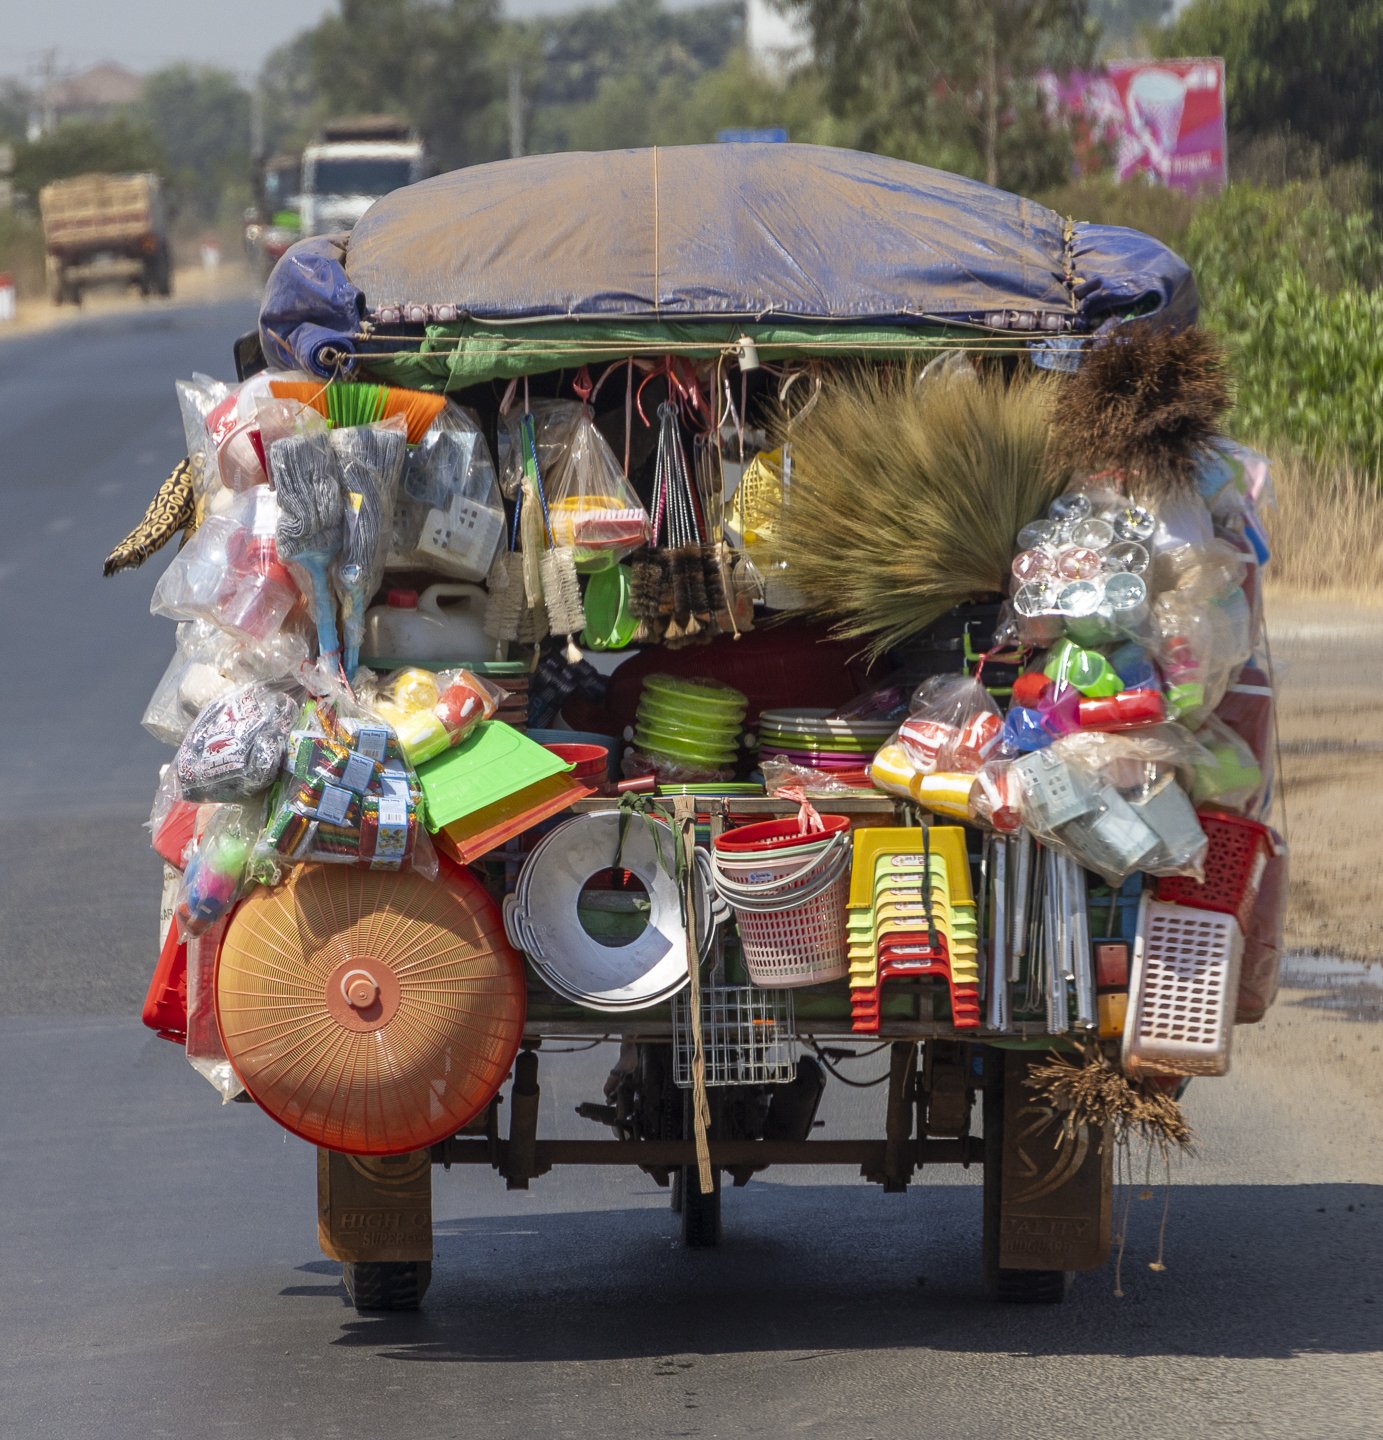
(495, 762)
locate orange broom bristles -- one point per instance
(419, 408)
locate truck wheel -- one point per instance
(700, 1213)
(1015, 1287)
(386, 1284)
(163, 275)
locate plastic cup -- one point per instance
(1092, 533)
(1135, 522)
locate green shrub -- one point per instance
(1290, 281)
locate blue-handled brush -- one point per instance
(370, 460)
(311, 512)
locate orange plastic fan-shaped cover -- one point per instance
(369, 1012)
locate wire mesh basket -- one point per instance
(747, 1035)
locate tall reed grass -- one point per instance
(1327, 527)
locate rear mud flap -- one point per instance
(1057, 1193)
(374, 1207)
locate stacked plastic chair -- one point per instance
(911, 915)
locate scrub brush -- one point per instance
(310, 524)
(647, 581)
(562, 598)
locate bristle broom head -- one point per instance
(905, 500)
(312, 393)
(419, 409)
(1147, 400)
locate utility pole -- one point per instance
(515, 108)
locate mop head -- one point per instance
(311, 507)
(1147, 400)
(905, 500)
(1090, 1089)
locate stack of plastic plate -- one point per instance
(813, 740)
(694, 724)
(543, 917)
(911, 915)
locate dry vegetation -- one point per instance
(1327, 529)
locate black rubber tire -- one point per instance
(163, 275)
(386, 1284)
(1010, 1287)
(700, 1213)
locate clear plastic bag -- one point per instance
(953, 724)
(430, 711)
(1195, 647)
(1228, 775)
(449, 517)
(347, 797)
(369, 460)
(783, 775)
(1105, 801)
(210, 661)
(591, 507)
(197, 398)
(218, 869)
(230, 572)
(233, 748)
(205, 1052)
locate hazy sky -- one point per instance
(147, 34)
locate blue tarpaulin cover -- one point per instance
(794, 233)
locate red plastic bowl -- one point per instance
(778, 835)
(591, 761)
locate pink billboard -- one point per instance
(1157, 120)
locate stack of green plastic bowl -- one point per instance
(691, 723)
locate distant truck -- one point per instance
(100, 228)
(351, 164)
(273, 223)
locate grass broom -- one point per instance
(906, 498)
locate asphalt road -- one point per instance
(161, 1276)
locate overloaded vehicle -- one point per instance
(103, 229)
(756, 607)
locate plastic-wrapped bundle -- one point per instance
(208, 662)
(310, 530)
(233, 748)
(230, 572)
(1113, 802)
(953, 727)
(347, 796)
(449, 517)
(369, 461)
(432, 711)
(218, 869)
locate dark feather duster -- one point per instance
(1146, 400)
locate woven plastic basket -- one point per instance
(791, 918)
(1234, 864)
(1183, 988)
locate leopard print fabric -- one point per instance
(171, 510)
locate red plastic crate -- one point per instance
(165, 1006)
(1234, 864)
